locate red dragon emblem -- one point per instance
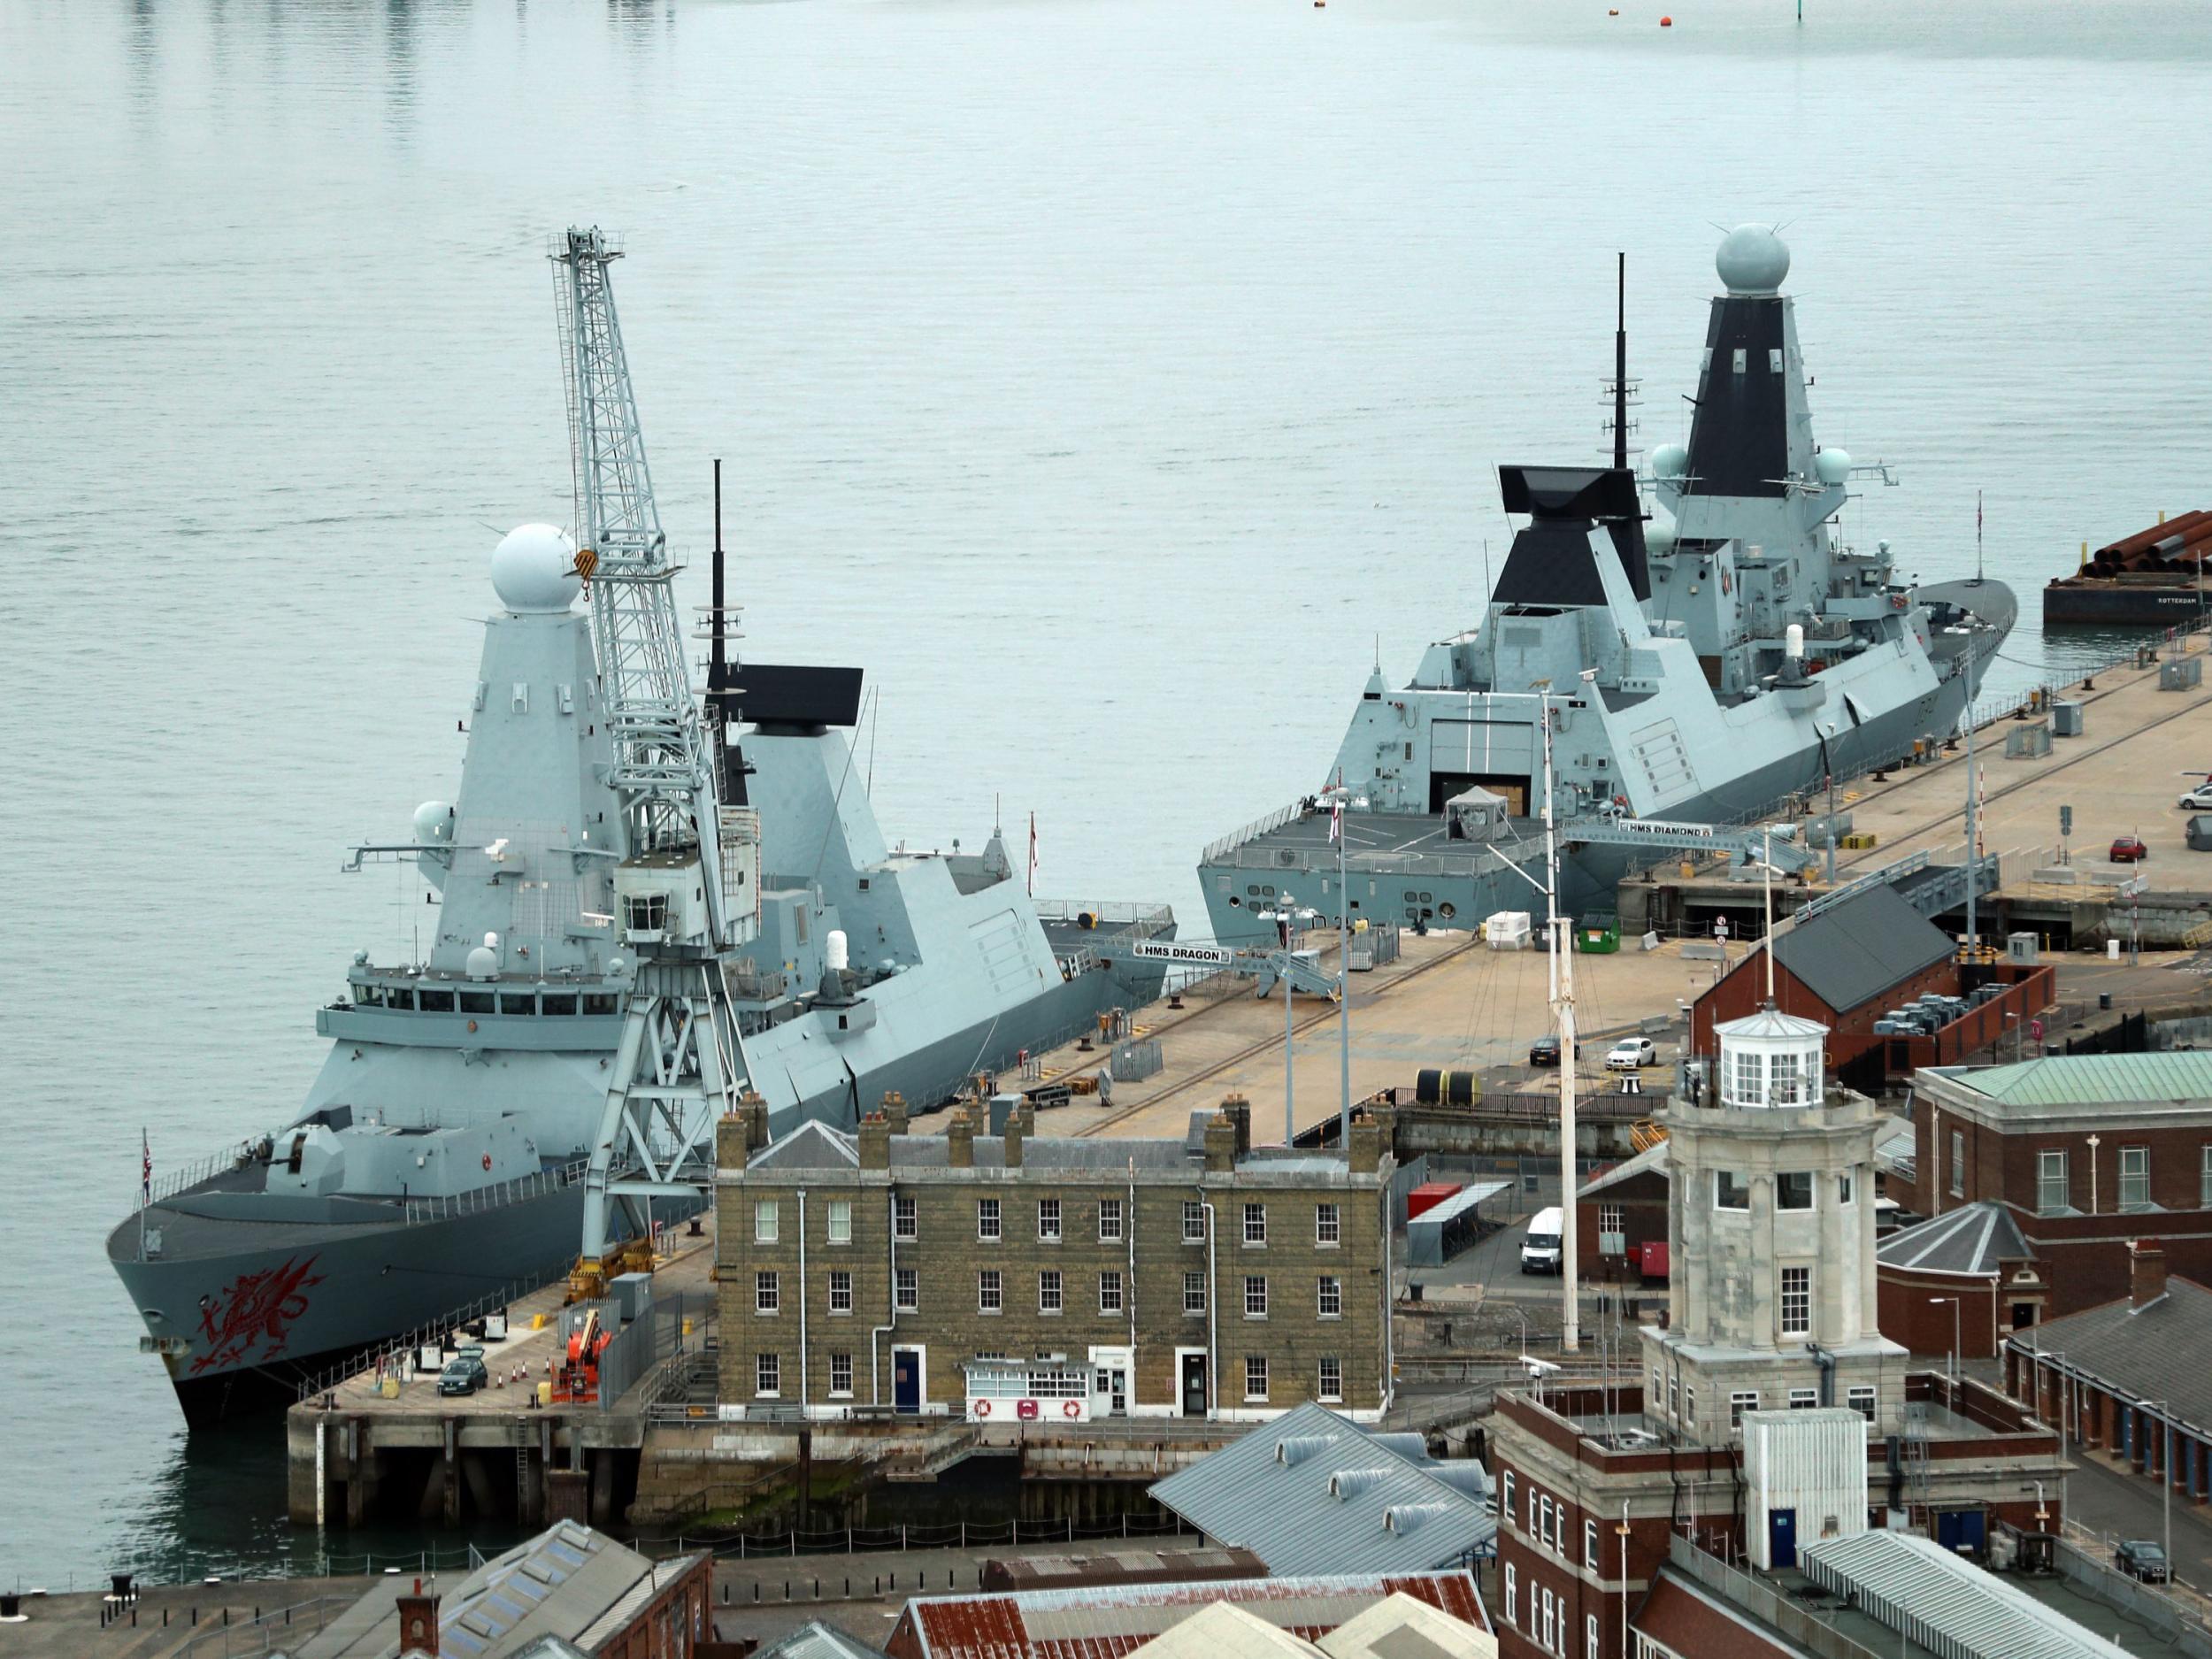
(257, 1308)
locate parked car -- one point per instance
(2142, 1560)
(2199, 799)
(464, 1374)
(1632, 1054)
(2128, 850)
(1539, 1250)
(1544, 1051)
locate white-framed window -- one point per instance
(767, 1375)
(764, 1225)
(990, 1292)
(1109, 1290)
(841, 1376)
(1793, 1190)
(1328, 1220)
(1193, 1221)
(1255, 1224)
(1786, 1080)
(1589, 1543)
(986, 1220)
(904, 1224)
(907, 1290)
(1612, 1219)
(1797, 1300)
(1512, 1593)
(1674, 1396)
(1689, 1403)
(1332, 1297)
(1048, 1220)
(1862, 1399)
(1747, 1079)
(1732, 1190)
(841, 1290)
(1256, 1376)
(1254, 1296)
(2135, 1177)
(1545, 1516)
(1590, 1637)
(767, 1292)
(1843, 1190)
(1549, 1630)
(2204, 1177)
(1958, 1164)
(1109, 1221)
(1804, 1399)
(841, 1221)
(2053, 1192)
(1505, 1494)
(1194, 1293)
(1657, 1396)
(1049, 1297)
(1332, 1378)
(1740, 1401)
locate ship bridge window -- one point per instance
(436, 1002)
(369, 995)
(599, 1002)
(646, 913)
(476, 1002)
(524, 1004)
(563, 1004)
(400, 996)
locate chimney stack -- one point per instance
(875, 1142)
(2147, 1274)
(418, 1622)
(895, 1111)
(960, 1141)
(1239, 1112)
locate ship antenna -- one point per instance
(714, 629)
(1620, 364)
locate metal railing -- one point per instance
(1801, 1624)
(478, 1200)
(264, 1630)
(192, 1173)
(434, 1329)
(644, 1343)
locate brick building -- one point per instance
(1618, 1213)
(1959, 1282)
(1021, 1277)
(2086, 1153)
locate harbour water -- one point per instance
(1106, 376)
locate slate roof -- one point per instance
(1225, 1631)
(1399, 1627)
(1313, 1492)
(1652, 1158)
(1915, 1586)
(1856, 951)
(2182, 1078)
(2163, 1352)
(812, 1146)
(1972, 1238)
(814, 1640)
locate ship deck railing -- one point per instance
(190, 1175)
(478, 1200)
(436, 1328)
(1113, 915)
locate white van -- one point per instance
(1539, 1250)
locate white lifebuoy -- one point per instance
(983, 1408)
(1073, 1408)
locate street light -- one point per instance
(2093, 1143)
(1956, 1343)
(2165, 1473)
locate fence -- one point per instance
(434, 1330)
(264, 1630)
(848, 1541)
(2138, 1600)
(644, 1343)
(1804, 1627)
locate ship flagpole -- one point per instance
(145, 1187)
(1562, 987)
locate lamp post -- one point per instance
(1340, 800)
(2093, 1143)
(2165, 1472)
(1953, 1300)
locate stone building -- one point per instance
(1028, 1277)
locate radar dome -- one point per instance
(1753, 260)
(1659, 537)
(1670, 460)
(483, 962)
(434, 823)
(1833, 466)
(534, 569)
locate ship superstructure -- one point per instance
(1700, 661)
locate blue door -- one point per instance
(1781, 1540)
(1963, 1531)
(906, 1381)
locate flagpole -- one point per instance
(1343, 977)
(145, 1187)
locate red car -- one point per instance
(2128, 850)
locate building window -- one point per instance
(986, 1223)
(1804, 1399)
(1109, 1221)
(764, 1227)
(1843, 1189)
(767, 1292)
(1256, 1376)
(1797, 1300)
(841, 1221)
(1589, 1543)
(1255, 1224)
(1332, 1378)
(989, 1292)
(1048, 1220)
(1331, 1298)
(902, 1222)
(1740, 1401)
(1328, 1225)
(1512, 1585)
(1194, 1293)
(1674, 1396)
(1505, 1494)
(841, 1291)
(1193, 1221)
(907, 1291)
(1747, 1079)
(1545, 1516)
(1958, 1164)
(1862, 1398)
(1793, 1190)
(1590, 1637)
(2204, 1178)
(1109, 1291)
(2053, 1193)
(1732, 1190)
(1254, 1296)
(1611, 1219)
(1551, 1621)
(1049, 1291)
(1689, 1405)
(1658, 1389)
(767, 1375)
(841, 1376)
(2135, 1177)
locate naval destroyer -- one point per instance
(441, 1161)
(1698, 664)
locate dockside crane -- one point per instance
(689, 867)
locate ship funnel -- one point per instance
(835, 950)
(1793, 641)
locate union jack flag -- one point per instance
(145, 1169)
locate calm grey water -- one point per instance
(1106, 378)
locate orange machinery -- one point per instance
(578, 1380)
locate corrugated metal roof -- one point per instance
(1862, 948)
(2162, 1351)
(1972, 1238)
(1110, 1621)
(1465, 1199)
(2095, 1079)
(1923, 1591)
(814, 1640)
(1310, 1491)
(1652, 1158)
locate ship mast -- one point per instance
(1563, 1000)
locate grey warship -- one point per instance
(441, 1161)
(1698, 664)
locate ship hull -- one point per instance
(2094, 604)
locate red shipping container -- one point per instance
(1428, 1194)
(1651, 1258)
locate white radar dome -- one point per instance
(1753, 260)
(534, 569)
(483, 962)
(434, 823)
(1659, 537)
(1833, 466)
(1670, 460)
